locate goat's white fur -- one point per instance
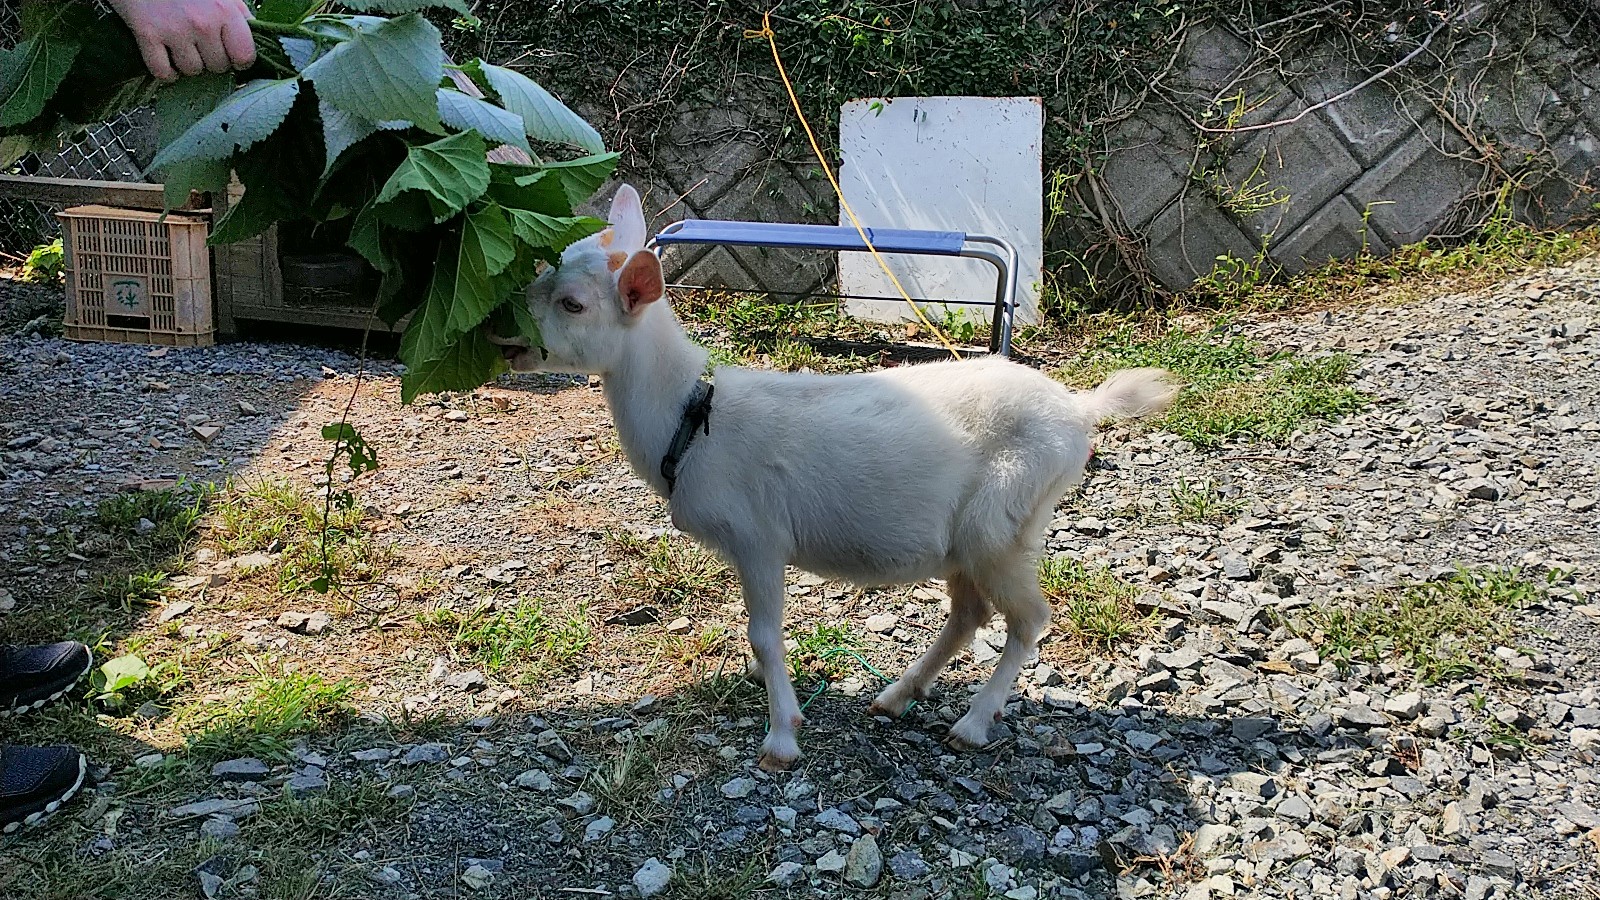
(946, 469)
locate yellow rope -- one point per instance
(772, 41)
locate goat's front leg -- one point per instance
(763, 602)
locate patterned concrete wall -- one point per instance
(1291, 162)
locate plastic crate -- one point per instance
(137, 277)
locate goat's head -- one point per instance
(588, 308)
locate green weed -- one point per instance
(347, 807)
(671, 571)
(525, 637)
(1098, 605)
(126, 590)
(45, 263)
(1445, 630)
(275, 708)
(816, 652)
(276, 516)
(626, 785)
(1200, 503)
(154, 527)
(1502, 246)
(1232, 390)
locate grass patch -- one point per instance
(1098, 605)
(525, 637)
(275, 709)
(671, 572)
(824, 652)
(1200, 503)
(126, 590)
(626, 785)
(275, 516)
(721, 881)
(751, 329)
(724, 693)
(61, 871)
(1232, 390)
(1444, 630)
(345, 808)
(290, 842)
(1502, 247)
(753, 324)
(710, 642)
(154, 527)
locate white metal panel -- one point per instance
(969, 164)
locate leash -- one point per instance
(772, 41)
(836, 651)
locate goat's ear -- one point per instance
(640, 282)
(627, 221)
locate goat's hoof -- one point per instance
(778, 755)
(772, 762)
(969, 734)
(890, 704)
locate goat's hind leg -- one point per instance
(1014, 590)
(968, 610)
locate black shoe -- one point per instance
(30, 677)
(35, 781)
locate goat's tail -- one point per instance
(1132, 393)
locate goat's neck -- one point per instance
(648, 389)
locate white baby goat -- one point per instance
(946, 469)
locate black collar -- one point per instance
(696, 416)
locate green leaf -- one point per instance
(109, 79)
(464, 113)
(396, 7)
(386, 70)
(549, 235)
(554, 188)
(580, 178)
(341, 131)
(119, 674)
(450, 173)
(178, 107)
(16, 146)
(366, 239)
(252, 214)
(249, 115)
(285, 12)
(514, 319)
(29, 75)
(279, 176)
(464, 365)
(348, 442)
(300, 51)
(486, 250)
(544, 117)
(487, 240)
(428, 334)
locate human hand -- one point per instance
(189, 36)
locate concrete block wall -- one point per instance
(1418, 153)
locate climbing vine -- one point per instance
(638, 64)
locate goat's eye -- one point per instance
(571, 305)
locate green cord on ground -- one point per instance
(823, 687)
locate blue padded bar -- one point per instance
(811, 237)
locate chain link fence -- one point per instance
(117, 150)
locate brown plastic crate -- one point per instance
(137, 277)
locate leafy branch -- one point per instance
(347, 121)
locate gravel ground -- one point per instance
(1225, 754)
